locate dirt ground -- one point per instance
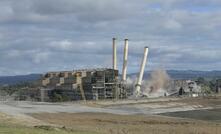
(123, 107)
(129, 124)
(119, 117)
(144, 122)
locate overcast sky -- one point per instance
(37, 36)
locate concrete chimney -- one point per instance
(124, 70)
(140, 77)
(114, 54)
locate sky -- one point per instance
(37, 36)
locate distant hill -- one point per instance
(174, 74)
(186, 74)
(10, 80)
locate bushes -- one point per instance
(206, 89)
(58, 97)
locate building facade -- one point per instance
(88, 84)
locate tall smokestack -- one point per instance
(114, 54)
(124, 70)
(140, 77)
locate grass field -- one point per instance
(18, 129)
(10, 125)
(93, 123)
(130, 124)
(8, 129)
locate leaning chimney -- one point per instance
(140, 77)
(124, 70)
(114, 54)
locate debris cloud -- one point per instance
(158, 84)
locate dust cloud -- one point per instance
(155, 86)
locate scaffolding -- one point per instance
(86, 84)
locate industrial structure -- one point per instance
(137, 92)
(85, 84)
(184, 88)
(218, 86)
(92, 84)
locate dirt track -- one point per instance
(126, 107)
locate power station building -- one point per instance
(85, 84)
(92, 84)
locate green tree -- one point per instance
(206, 89)
(56, 97)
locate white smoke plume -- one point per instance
(157, 85)
(130, 85)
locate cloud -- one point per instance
(39, 36)
(41, 57)
(172, 25)
(35, 11)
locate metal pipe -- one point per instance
(140, 77)
(124, 70)
(114, 54)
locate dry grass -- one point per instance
(130, 124)
(14, 125)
